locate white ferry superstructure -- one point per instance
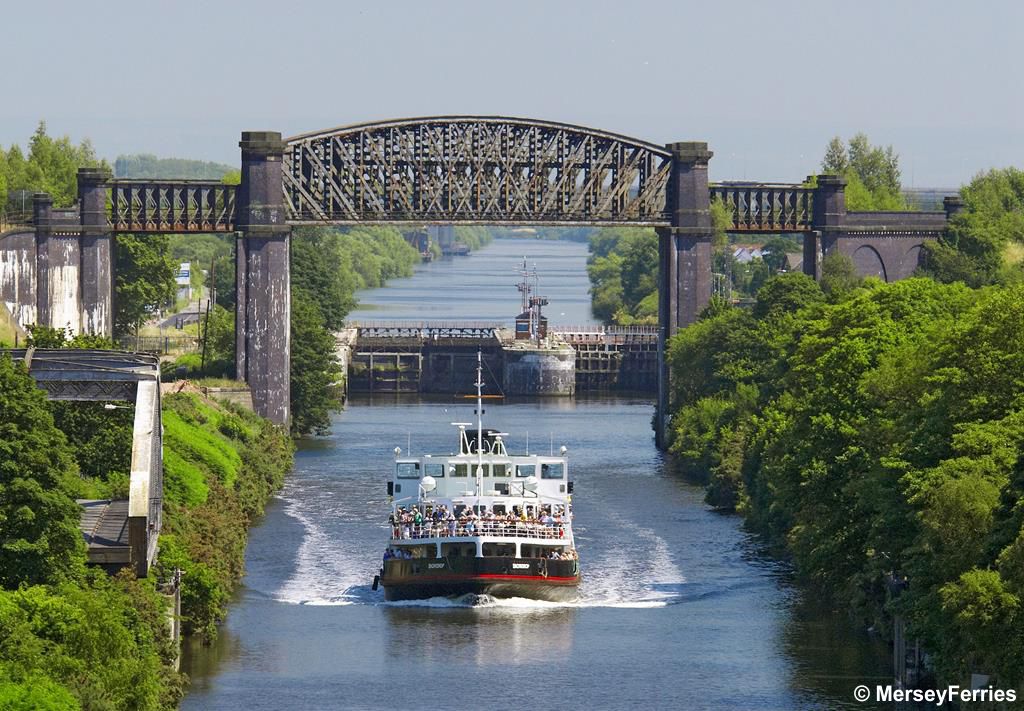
(481, 522)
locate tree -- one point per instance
(315, 372)
(786, 293)
(145, 279)
(217, 331)
(839, 274)
(775, 254)
(872, 173)
(39, 537)
(835, 161)
(623, 271)
(974, 248)
(51, 166)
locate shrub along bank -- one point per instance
(875, 434)
(70, 637)
(221, 465)
(75, 637)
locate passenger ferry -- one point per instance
(480, 522)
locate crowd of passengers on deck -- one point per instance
(441, 521)
(406, 554)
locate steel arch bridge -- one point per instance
(474, 169)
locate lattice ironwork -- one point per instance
(471, 169)
(171, 206)
(766, 207)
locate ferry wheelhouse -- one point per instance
(482, 521)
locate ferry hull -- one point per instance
(418, 579)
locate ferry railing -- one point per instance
(457, 529)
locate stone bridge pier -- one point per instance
(684, 264)
(263, 283)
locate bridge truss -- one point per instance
(473, 169)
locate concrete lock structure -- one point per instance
(444, 171)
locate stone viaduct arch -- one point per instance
(441, 170)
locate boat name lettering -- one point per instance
(520, 566)
(435, 565)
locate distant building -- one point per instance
(184, 281)
(744, 254)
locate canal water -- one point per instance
(679, 608)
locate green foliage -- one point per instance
(322, 267)
(145, 275)
(199, 250)
(315, 371)
(217, 330)
(623, 271)
(184, 482)
(839, 275)
(875, 436)
(10, 333)
(329, 265)
(46, 337)
(100, 438)
(39, 537)
(146, 165)
(205, 518)
(973, 248)
(872, 174)
(205, 450)
(51, 167)
(104, 641)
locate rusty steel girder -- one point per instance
(766, 207)
(140, 205)
(474, 169)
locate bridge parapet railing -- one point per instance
(598, 333)
(767, 207)
(897, 220)
(425, 329)
(171, 206)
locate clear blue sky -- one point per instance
(766, 83)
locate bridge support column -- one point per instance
(263, 311)
(96, 252)
(58, 296)
(829, 216)
(684, 265)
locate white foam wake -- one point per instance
(327, 570)
(519, 603)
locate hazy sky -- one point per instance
(765, 83)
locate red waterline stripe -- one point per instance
(470, 578)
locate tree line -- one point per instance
(873, 433)
(75, 637)
(623, 261)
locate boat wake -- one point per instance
(324, 574)
(631, 571)
(518, 603)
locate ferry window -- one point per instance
(499, 509)
(434, 469)
(485, 467)
(499, 550)
(525, 470)
(460, 470)
(500, 469)
(408, 470)
(552, 471)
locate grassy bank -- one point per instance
(73, 636)
(221, 465)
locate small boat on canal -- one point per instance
(480, 522)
